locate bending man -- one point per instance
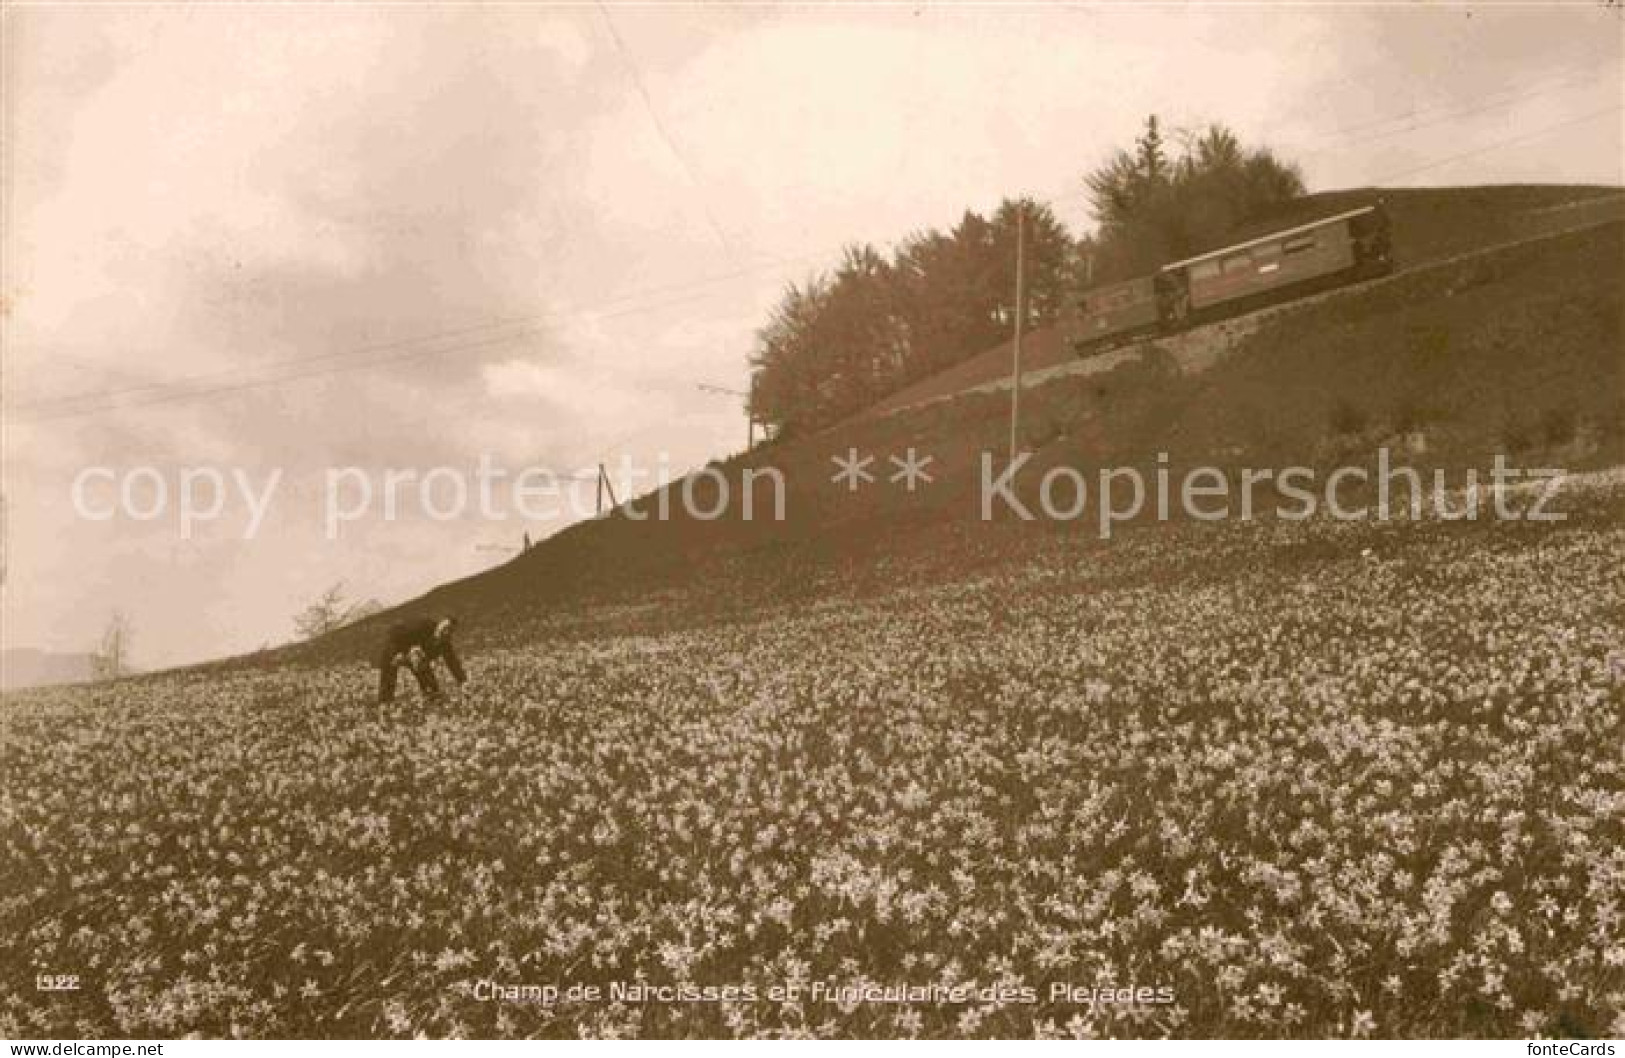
(417, 645)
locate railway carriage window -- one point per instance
(1240, 262)
(1204, 270)
(1299, 245)
(1268, 252)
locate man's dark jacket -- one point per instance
(399, 642)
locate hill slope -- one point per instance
(1517, 349)
(1431, 226)
(1247, 764)
(26, 667)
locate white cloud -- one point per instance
(563, 389)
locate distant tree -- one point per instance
(838, 343)
(841, 341)
(1048, 262)
(947, 294)
(859, 332)
(1151, 210)
(1148, 149)
(332, 611)
(785, 366)
(112, 657)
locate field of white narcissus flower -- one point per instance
(1308, 790)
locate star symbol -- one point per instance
(911, 469)
(852, 472)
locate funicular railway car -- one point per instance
(1347, 245)
(1116, 312)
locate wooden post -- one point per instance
(1015, 365)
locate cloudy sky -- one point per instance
(294, 238)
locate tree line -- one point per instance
(840, 341)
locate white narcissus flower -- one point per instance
(1161, 770)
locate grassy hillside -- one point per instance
(1518, 351)
(1430, 223)
(1325, 779)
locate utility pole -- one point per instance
(605, 487)
(1015, 365)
